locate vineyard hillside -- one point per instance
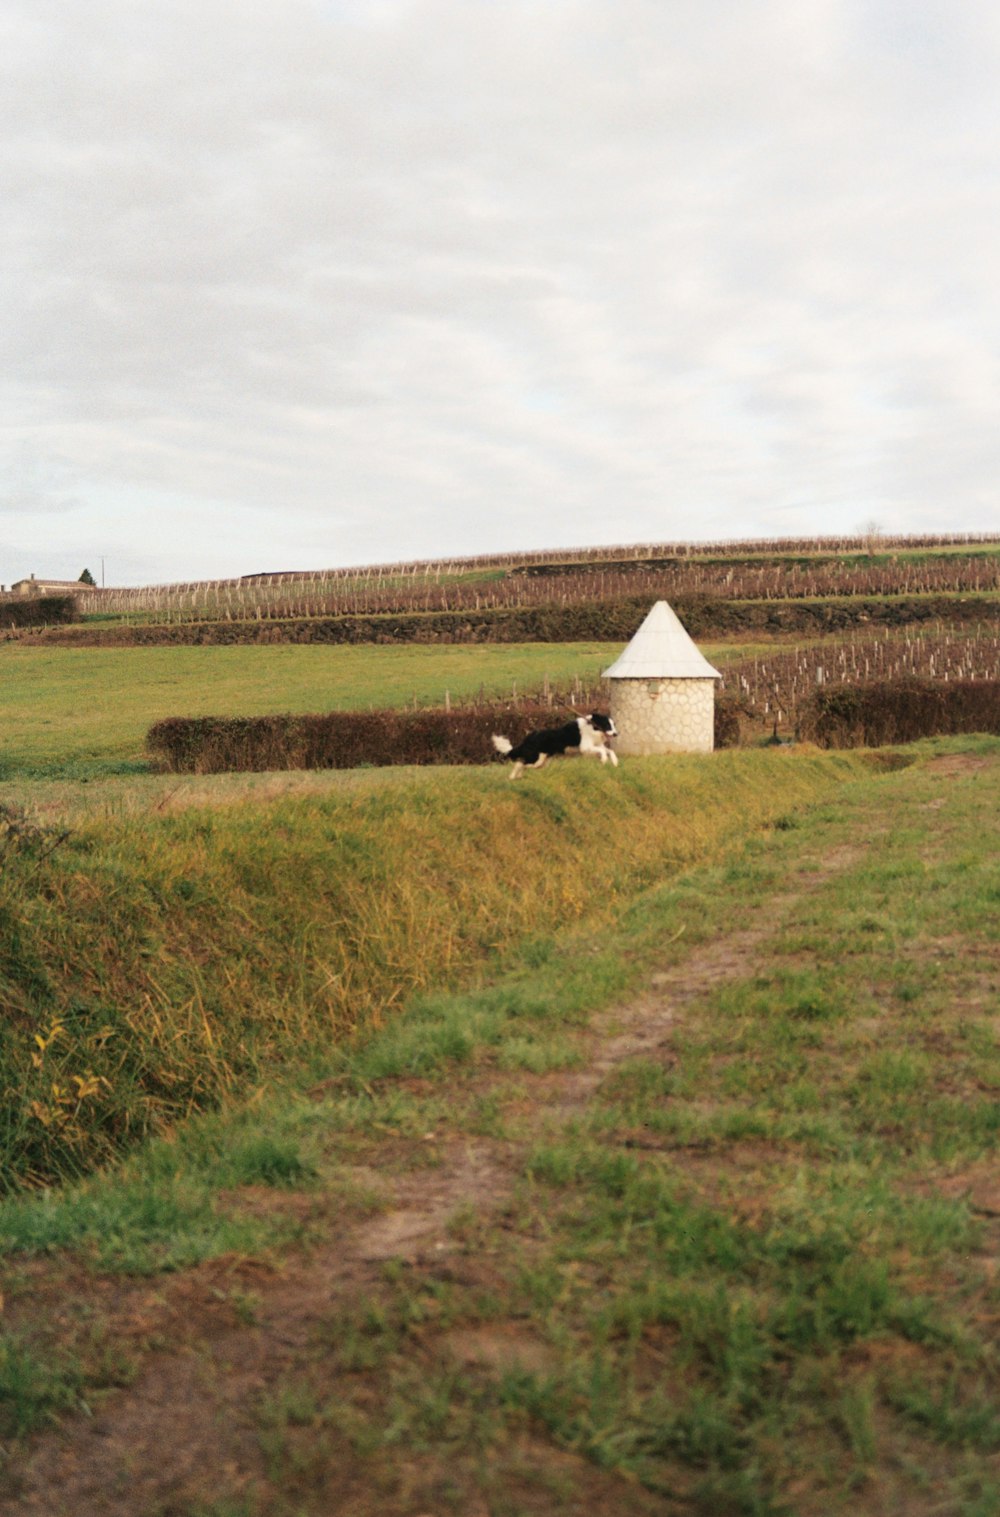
(724, 588)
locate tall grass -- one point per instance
(151, 964)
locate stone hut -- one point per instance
(663, 690)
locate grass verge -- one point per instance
(151, 966)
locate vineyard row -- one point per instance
(229, 601)
(773, 689)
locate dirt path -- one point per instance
(189, 1423)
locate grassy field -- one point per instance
(82, 713)
(688, 1208)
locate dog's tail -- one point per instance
(502, 744)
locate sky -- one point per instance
(332, 282)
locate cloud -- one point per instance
(36, 485)
(434, 276)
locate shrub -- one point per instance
(727, 723)
(899, 711)
(38, 611)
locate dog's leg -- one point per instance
(515, 772)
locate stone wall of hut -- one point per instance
(663, 715)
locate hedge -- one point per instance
(37, 611)
(899, 711)
(350, 739)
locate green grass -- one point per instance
(160, 1211)
(33, 1388)
(791, 1294)
(761, 1281)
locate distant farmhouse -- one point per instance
(35, 586)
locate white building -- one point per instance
(663, 690)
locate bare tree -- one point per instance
(872, 533)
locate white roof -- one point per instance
(661, 649)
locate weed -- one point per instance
(539, 1056)
(952, 1413)
(34, 1387)
(237, 1506)
(856, 1413)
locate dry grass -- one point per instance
(153, 962)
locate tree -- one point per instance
(86, 578)
(871, 531)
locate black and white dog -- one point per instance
(588, 734)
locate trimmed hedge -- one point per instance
(350, 739)
(338, 739)
(899, 711)
(38, 611)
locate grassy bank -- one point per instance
(152, 963)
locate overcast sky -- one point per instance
(320, 282)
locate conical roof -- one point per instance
(661, 649)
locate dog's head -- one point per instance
(603, 724)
